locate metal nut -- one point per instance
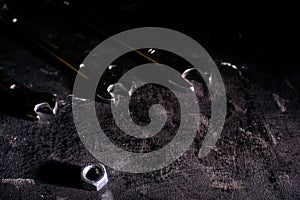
(93, 176)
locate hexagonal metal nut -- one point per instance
(93, 176)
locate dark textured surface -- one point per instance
(257, 156)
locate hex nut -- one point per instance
(93, 176)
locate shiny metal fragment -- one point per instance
(19, 101)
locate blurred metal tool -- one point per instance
(137, 57)
(29, 34)
(19, 101)
(132, 59)
(111, 75)
(44, 46)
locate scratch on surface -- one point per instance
(54, 73)
(222, 179)
(7, 63)
(228, 186)
(289, 84)
(280, 102)
(238, 105)
(204, 120)
(270, 133)
(107, 195)
(285, 178)
(18, 182)
(62, 198)
(248, 133)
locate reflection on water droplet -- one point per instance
(210, 78)
(192, 89)
(134, 85)
(111, 66)
(62, 102)
(80, 99)
(229, 65)
(13, 86)
(151, 51)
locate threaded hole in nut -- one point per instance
(94, 173)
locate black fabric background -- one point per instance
(257, 156)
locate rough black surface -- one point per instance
(257, 156)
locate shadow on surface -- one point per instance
(61, 174)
